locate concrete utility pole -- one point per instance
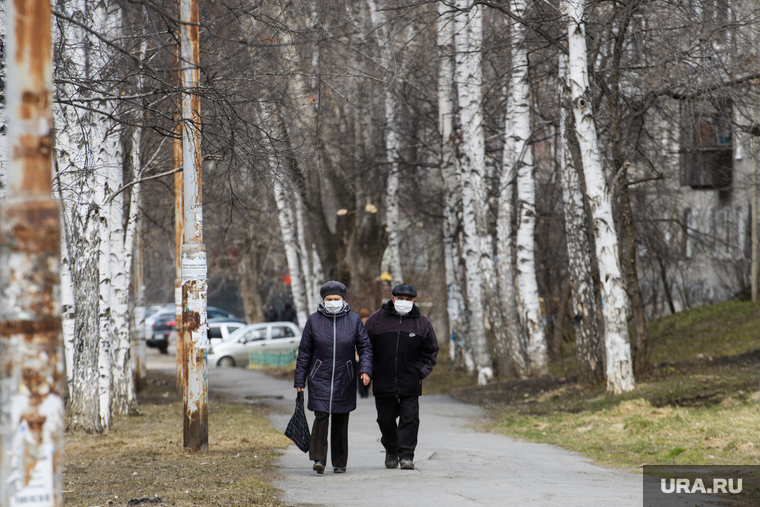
(31, 370)
(179, 232)
(194, 284)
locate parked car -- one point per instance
(146, 316)
(164, 326)
(221, 329)
(235, 350)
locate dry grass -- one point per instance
(635, 433)
(142, 456)
(698, 406)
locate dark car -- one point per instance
(165, 324)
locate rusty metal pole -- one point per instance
(179, 226)
(138, 350)
(194, 284)
(31, 348)
(179, 232)
(755, 273)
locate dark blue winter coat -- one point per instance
(326, 356)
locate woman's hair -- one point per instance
(363, 313)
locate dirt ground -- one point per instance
(140, 460)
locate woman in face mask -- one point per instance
(326, 362)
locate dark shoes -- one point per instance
(339, 470)
(391, 460)
(407, 464)
(319, 467)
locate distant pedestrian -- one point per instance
(270, 313)
(404, 350)
(330, 338)
(363, 389)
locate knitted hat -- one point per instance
(333, 287)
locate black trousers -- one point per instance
(399, 438)
(338, 438)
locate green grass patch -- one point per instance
(725, 329)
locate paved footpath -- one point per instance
(456, 465)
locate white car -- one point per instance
(220, 329)
(236, 349)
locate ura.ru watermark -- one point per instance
(701, 485)
(717, 485)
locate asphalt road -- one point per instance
(456, 465)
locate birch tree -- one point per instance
(618, 353)
(518, 158)
(588, 346)
(82, 235)
(392, 142)
(124, 401)
(107, 160)
(290, 241)
(452, 199)
(468, 42)
(283, 196)
(312, 296)
(515, 348)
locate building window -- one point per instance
(721, 220)
(742, 236)
(706, 144)
(690, 227)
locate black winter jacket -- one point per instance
(404, 350)
(326, 356)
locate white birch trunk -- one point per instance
(619, 368)
(288, 228)
(104, 284)
(468, 40)
(304, 254)
(506, 261)
(120, 382)
(68, 307)
(587, 337)
(519, 160)
(452, 201)
(392, 145)
(318, 277)
(82, 227)
(108, 167)
(68, 301)
(124, 400)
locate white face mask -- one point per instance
(333, 306)
(403, 307)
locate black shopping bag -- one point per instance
(298, 428)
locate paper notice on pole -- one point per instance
(200, 338)
(193, 269)
(177, 300)
(39, 492)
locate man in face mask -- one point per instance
(404, 349)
